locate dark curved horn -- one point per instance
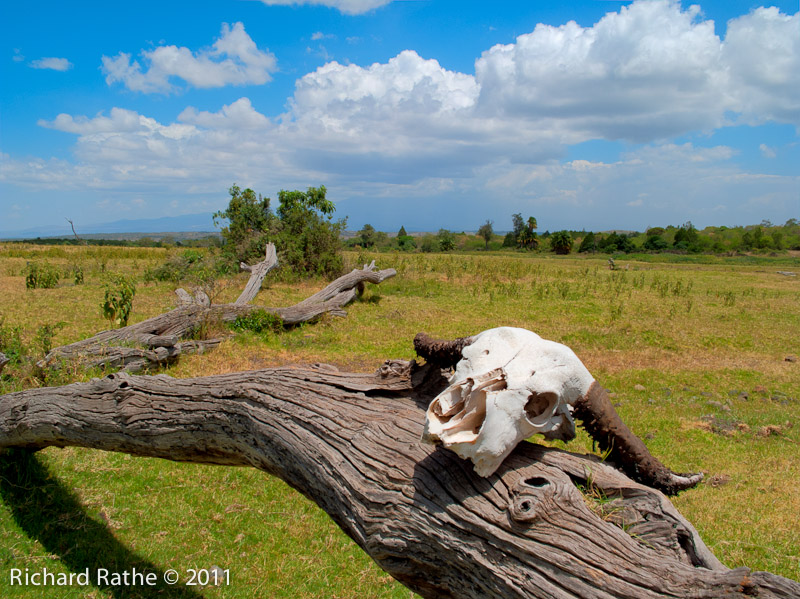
(441, 352)
(601, 421)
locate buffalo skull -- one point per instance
(509, 385)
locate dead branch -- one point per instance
(163, 339)
(350, 442)
(83, 241)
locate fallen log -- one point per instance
(164, 338)
(351, 443)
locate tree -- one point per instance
(303, 229)
(527, 237)
(249, 220)
(163, 338)
(615, 243)
(486, 232)
(519, 225)
(686, 237)
(402, 232)
(447, 241)
(561, 242)
(306, 235)
(655, 243)
(350, 442)
(367, 236)
(588, 243)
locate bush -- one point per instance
(43, 340)
(11, 342)
(77, 274)
(655, 243)
(188, 264)
(41, 276)
(258, 321)
(118, 300)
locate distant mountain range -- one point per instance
(186, 223)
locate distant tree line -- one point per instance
(686, 238)
(309, 240)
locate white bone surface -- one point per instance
(509, 385)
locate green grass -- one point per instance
(695, 334)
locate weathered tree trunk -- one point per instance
(158, 340)
(350, 442)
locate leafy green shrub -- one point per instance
(655, 243)
(43, 340)
(77, 274)
(258, 321)
(118, 299)
(176, 268)
(447, 240)
(41, 275)
(11, 342)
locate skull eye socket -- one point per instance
(539, 407)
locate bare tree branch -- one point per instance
(350, 442)
(159, 338)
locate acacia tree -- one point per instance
(249, 219)
(303, 229)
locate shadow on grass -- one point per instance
(50, 513)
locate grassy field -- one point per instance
(694, 353)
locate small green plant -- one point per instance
(118, 300)
(77, 274)
(43, 340)
(11, 342)
(616, 310)
(258, 321)
(41, 275)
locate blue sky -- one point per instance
(590, 114)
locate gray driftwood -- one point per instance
(350, 442)
(163, 338)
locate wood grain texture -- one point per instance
(350, 442)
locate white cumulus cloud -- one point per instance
(409, 127)
(649, 71)
(762, 52)
(234, 59)
(54, 64)
(348, 7)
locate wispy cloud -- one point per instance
(234, 59)
(767, 152)
(348, 7)
(54, 64)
